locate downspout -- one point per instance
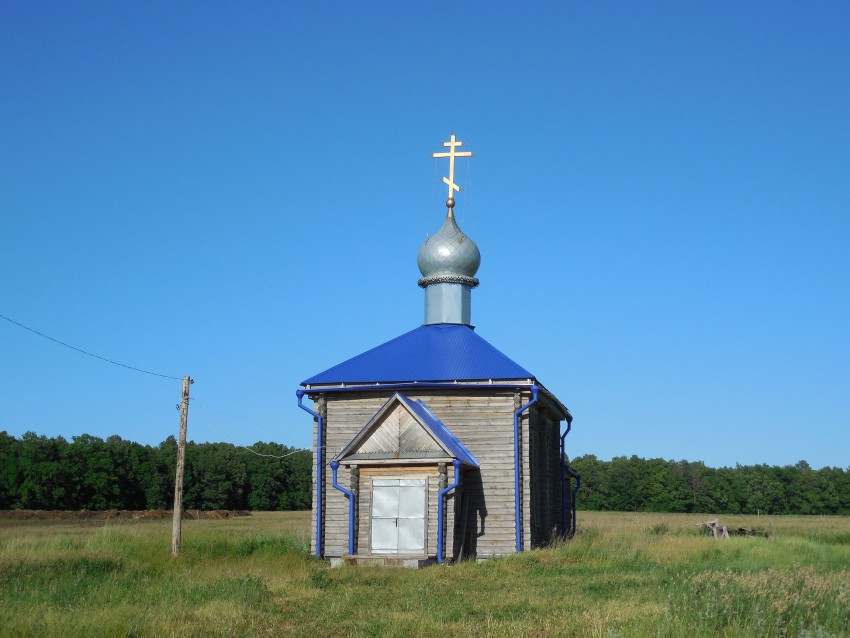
(320, 467)
(517, 494)
(564, 480)
(440, 506)
(351, 501)
(577, 477)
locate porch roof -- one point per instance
(444, 437)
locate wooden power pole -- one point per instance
(178, 481)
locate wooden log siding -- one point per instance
(484, 423)
(553, 475)
(545, 476)
(346, 416)
(319, 406)
(556, 494)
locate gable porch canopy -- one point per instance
(405, 431)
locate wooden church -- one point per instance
(435, 446)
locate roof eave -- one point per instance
(317, 388)
(564, 413)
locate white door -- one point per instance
(398, 516)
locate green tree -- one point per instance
(594, 482)
(297, 482)
(94, 478)
(265, 476)
(662, 486)
(839, 483)
(764, 493)
(43, 474)
(215, 477)
(624, 478)
(9, 471)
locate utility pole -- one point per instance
(178, 481)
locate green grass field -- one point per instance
(623, 575)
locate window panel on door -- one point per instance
(384, 535)
(384, 500)
(411, 500)
(411, 535)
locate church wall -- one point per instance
(554, 462)
(345, 418)
(483, 423)
(544, 454)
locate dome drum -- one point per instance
(448, 303)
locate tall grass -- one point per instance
(623, 575)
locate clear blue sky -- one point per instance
(237, 192)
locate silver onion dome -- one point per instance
(449, 255)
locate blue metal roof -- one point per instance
(436, 352)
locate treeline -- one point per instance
(37, 472)
(656, 485)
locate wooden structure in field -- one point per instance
(435, 445)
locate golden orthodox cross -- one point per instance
(452, 154)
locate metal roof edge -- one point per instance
(508, 385)
(311, 389)
(565, 412)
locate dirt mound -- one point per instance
(85, 515)
(212, 514)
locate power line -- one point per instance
(62, 343)
(273, 456)
(220, 429)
